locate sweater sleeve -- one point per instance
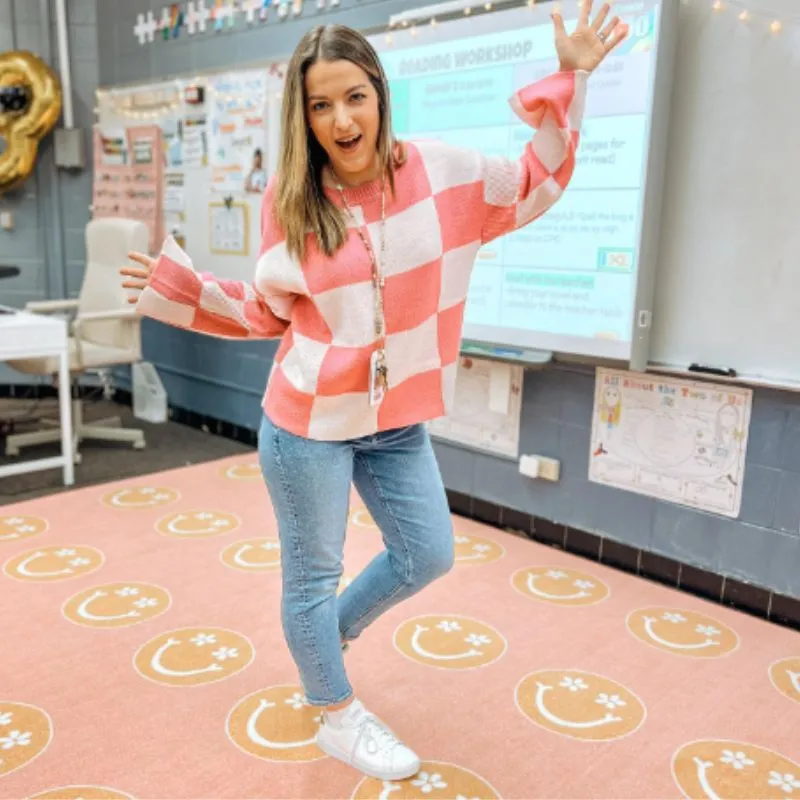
(180, 296)
(516, 193)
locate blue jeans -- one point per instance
(309, 482)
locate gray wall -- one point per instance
(226, 380)
(51, 201)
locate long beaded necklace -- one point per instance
(381, 375)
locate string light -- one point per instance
(748, 14)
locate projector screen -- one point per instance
(578, 280)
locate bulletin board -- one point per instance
(205, 178)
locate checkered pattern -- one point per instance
(449, 202)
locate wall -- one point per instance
(51, 200)
(225, 379)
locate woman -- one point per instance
(367, 248)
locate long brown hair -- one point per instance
(301, 204)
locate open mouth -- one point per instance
(349, 143)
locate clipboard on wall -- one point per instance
(229, 228)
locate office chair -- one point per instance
(105, 331)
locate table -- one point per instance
(26, 335)
(8, 272)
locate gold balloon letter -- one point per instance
(30, 104)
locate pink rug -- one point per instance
(143, 657)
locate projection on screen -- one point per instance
(567, 282)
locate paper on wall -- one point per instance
(677, 440)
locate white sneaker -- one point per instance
(364, 742)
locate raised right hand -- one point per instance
(139, 277)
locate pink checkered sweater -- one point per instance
(448, 203)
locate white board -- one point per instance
(486, 410)
(579, 279)
(672, 439)
(728, 284)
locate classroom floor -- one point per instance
(143, 657)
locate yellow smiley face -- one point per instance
(20, 526)
(194, 656)
(682, 632)
(580, 705)
(81, 793)
(116, 605)
(450, 642)
(198, 524)
(138, 498)
(25, 733)
(253, 555)
(434, 779)
(249, 471)
(734, 770)
(276, 724)
(54, 563)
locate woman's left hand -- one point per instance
(590, 42)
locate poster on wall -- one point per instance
(237, 129)
(486, 408)
(228, 229)
(673, 439)
(194, 152)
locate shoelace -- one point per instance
(376, 736)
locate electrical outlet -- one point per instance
(549, 469)
(6, 220)
(540, 467)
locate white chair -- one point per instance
(105, 331)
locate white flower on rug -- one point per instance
(203, 639)
(296, 701)
(584, 584)
(448, 626)
(574, 684)
(271, 546)
(146, 602)
(224, 653)
(427, 783)
(148, 490)
(204, 515)
(610, 701)
(461, 539)
(14, 521)
(127, 591)
(707, 630)
(64, 552)
(481, 548)
(787, 783)
(476, 640)
(159, 496)
(6, 717)
(25, 528)
(220, 523)
(737, 760)
(675, 619)
(462, 797)
(556, 574)
(80, 562)
(17, 739)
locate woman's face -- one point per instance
(343, 113)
